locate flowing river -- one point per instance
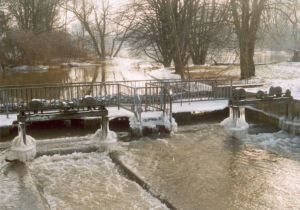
(200, 167)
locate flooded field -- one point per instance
(111, 70)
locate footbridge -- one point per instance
(144, 98)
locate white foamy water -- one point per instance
(88, 181)
(280, 143)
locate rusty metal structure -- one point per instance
(275, 95)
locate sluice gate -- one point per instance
(236, 123)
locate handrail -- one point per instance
(117, 94)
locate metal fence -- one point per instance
(147, 94)
(196, 90)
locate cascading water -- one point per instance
(108, 137)
(236, 124)
(23, 147)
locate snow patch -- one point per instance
(4, 121)
(285, 74)
(164, 73)
(28, 68)
(200, 106)
(75, 64)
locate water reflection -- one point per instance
(111, 70)
(102, 72)
(206, 169)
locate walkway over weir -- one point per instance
(139, 95)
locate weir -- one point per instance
(138, 97)
(23, 147)
(236, 123)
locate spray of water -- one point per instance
(110, 136)
(236, 124)
(23, 147)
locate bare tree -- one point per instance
(181, 18)
(151, 33)
(208, 21)
(107, 31)
(247, 17)
(34, 15)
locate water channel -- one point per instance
(199, 167)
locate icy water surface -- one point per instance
(200, 167)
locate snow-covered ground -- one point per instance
(113, 112)
(164, 73)
(286, 75)
(131, 69)
(4, 121)
(200, 106)
(76, 64)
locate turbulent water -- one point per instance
(88, 181)
(200, 167)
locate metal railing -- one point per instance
(196, 90)
(149, 94)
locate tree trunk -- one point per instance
(179, 67)
(246, 59)
(200, 57)
(167, 63)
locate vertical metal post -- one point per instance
(22, 126)
(5, 99)
(22, 130)
(146, 96)
(104, 127)
(235, 114)
(164, 99)
(289, 114)
(171, 111)
(181, 92)
(230, 94)
(118, 87)
(189, 91)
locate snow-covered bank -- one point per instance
(286, 75)
(164, 73)
(76, 64)
(131, 69)
(4, 121)
(200, 106)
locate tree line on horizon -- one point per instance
(170, 32)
